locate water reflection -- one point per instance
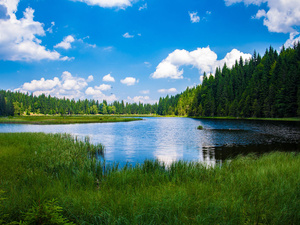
(172, 139)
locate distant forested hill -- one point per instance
(267, 86)
(15, 103)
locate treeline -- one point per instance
(16, 103)
(267, 86)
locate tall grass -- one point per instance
(36, 168)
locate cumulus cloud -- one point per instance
(294, 39)
(98, 95)
(103, 87)
(194, 18)
(282, 16)
(41, 84)
(90, 78)
(18, 39)
(122, 4)
(171, 90)
(129, 81)
(66, 43)
(72, 83)
(68, 86)
(127, 35)
(204, 59)
(108, 78)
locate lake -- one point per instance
(172, 139)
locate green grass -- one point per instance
(200, 127)
(37, 168)
(65, 119)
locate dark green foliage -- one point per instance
(46, 213)
(16, 103)
(261, 87)
(200, 127)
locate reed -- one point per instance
(37, 168)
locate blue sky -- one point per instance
(133, 50)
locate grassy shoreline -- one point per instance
(53, 176)
(56, 119)
(65, 119)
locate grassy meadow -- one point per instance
(56, 179)
(42, 119)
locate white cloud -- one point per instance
(282, 16)
(66, 43)
(90, 78)
(204, 59)
(127, 35)
(129, 81)
(98, 95)
(41, 85)
(171, 90)
(166, 69)
(11, 6)
(50, 29)
(68, 86)
(294, 39)
(73, 83)
(108, 78)
(18, 39)
(138, 98)
(260, 13)
(142, 99)
(143, 7)
(103, 87)
(231, 57)
(122, 4)
(145, 92)
(194, 18)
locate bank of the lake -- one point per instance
(292, 119)
(67, 119)
(295, 119)
(37, 168)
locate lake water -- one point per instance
(171, 139)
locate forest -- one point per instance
(16, 103)
(262, 87)
(267, 86)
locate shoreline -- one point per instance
(80, 119)
(77, 119)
